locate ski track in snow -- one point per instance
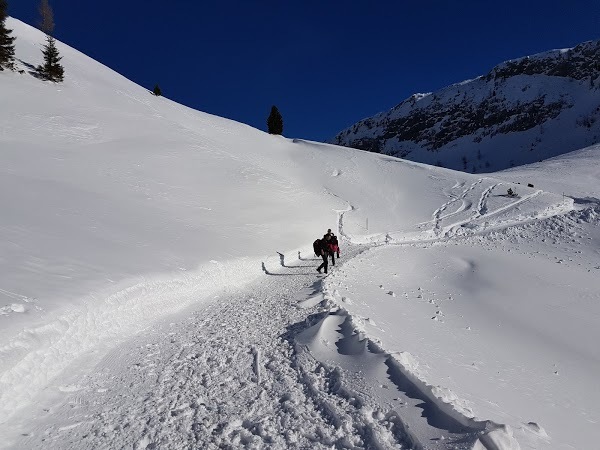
(239, 372)
(483, 211)
(437, 214)
(482, 207)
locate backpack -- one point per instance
(317, 247)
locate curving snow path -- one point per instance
(279, 362)
(231, 374)
(275, 365)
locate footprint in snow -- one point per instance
(15, 308)
(70, 388)
(536, 429)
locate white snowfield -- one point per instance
(158, 287)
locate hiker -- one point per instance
(331, 248)
(335, 246)
(317, 247)
(324, 252)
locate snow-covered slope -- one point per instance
(157, 288)
(523, 111)
(575, 174)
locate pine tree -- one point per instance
(275, 121)
(7, 47)
(157, 91)
(51, 69)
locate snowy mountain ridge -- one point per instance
(524, 110)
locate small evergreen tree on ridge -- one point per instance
(51, 70)
(275, 121)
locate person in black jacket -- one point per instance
(325, 251)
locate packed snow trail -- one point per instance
(246, 370)
(235, 374)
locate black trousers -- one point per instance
(332, 258)
(325, 257)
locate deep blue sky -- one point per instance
(325, 64)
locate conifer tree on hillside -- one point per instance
(157, 91)
(7, 47)
(275, 121)
(51, 70)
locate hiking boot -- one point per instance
(319, 270)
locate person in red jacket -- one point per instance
(334, 241)
(331, 249)
(335, 246)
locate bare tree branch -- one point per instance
(46, 23)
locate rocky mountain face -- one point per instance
(524, 110)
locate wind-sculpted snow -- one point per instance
(499, 325)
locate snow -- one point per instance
(158, 286)
(550, 174)
(428, 128)
(493, 325)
